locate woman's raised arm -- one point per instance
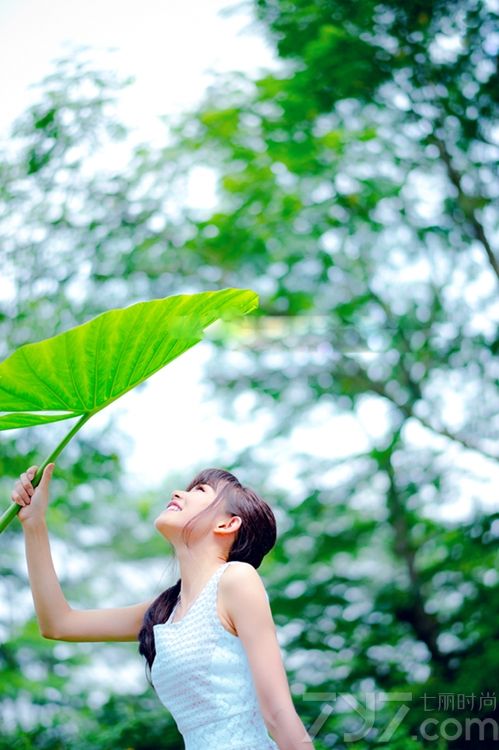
(57, 620)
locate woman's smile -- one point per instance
(173, 505)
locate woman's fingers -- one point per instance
(26, 483)
(18, 499)
(21, 491)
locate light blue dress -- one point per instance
(202, 675)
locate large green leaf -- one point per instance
(80, 371)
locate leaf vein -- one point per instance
(47, 385)
(66, 342)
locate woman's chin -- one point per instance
(159, 523)
(162, 521)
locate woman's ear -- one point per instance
(231, 524)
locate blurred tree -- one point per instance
(356, 194)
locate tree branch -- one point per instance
(464, 205)
(376, 386)
(425, 625)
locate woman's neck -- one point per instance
(194, 574)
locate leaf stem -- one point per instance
(14, 508)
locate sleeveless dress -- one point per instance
(202, 675)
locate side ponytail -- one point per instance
(159, 611)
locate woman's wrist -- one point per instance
(34, 524)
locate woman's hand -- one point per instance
(33, 500)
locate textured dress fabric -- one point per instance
(202, 675)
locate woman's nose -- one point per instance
(176, 494)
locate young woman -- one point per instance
(209, 640)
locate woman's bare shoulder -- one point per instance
(241, 575)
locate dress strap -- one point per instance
(214, 585)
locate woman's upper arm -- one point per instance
(112, 624)
(247, 604)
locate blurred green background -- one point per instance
(357, 194)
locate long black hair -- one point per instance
(254, 539)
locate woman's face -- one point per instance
(182, 506)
